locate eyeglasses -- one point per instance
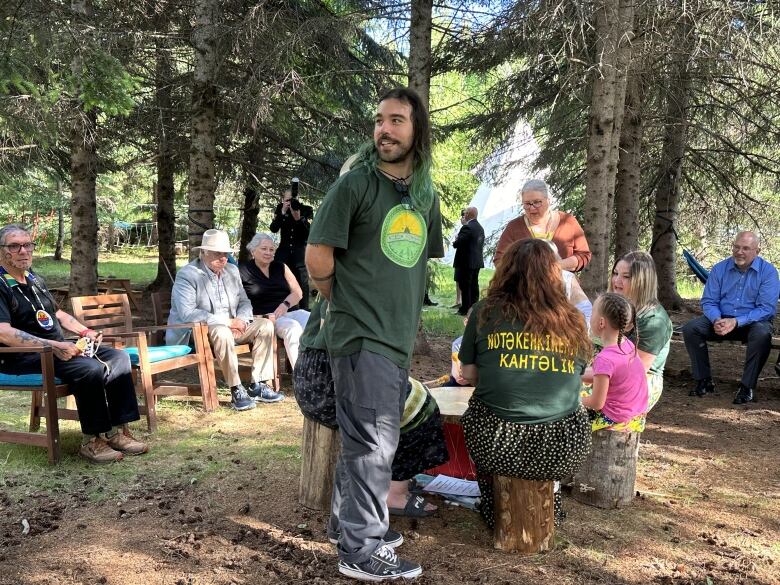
(535, 204)
(16, 248)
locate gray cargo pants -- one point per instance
(370, 396)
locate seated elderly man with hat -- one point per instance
(209, 290)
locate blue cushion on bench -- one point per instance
(24, 380)
(158, 353)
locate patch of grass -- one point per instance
(141, 269)
(690, 287)
(442, 320)
(189, 447)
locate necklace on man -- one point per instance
(42, 317)
(401, 187)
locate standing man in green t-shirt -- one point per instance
(368, 249)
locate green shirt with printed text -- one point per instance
(523, 378)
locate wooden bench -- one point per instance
(111, 315)
(121, 285)
(161, 306)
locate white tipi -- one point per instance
(496, 200)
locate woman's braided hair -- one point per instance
(619, 313)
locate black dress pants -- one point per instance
(757, 336)
(469, 288)
(105, 397)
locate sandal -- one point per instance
(414, 508)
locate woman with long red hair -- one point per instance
(524, 349)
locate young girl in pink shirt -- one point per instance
(619, 384)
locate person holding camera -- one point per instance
(291, 220)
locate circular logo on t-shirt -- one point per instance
(403, 236)
(44, 319)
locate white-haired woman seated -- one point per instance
(274, 292)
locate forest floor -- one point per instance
(215, 502)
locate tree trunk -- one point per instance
(420, 48)
(420, 81)
(613, 26)
(60, 224)
(166, 216)
(203, 150)
(83, 176)
(254, 175)
(667, 194)
(606, 479)
(629, 171)
(249, 222)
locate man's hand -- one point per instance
(285, 206)
(724, 326)
(65, 350)
(238, 327)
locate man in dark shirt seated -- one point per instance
(739, 302)
(103, 387)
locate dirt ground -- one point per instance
(707, 511)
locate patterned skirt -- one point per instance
(421, 448)
(540, 452)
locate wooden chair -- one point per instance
(161, 304)
(111, 315)
(45, 392)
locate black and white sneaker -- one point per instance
(383, 565)
(391, 538)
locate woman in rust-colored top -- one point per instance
(539, 221)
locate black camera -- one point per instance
(295, 205)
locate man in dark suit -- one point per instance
(469, 246)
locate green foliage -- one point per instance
(104, 84)
(456, 152)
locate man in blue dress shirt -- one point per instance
(739, 302)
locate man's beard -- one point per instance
(404, 155)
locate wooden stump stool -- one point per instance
(606, 478)
(320, 448)
(524, 514)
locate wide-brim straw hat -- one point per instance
(215, 241)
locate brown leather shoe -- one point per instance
(97, 450)
(127, 444)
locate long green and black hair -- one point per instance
(421, 187)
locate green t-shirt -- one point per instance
(655, 334)
(313, 336)
(382, 248)
(523, 378)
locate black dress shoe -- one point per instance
(777, 368)
(703, 387)
(743, 395)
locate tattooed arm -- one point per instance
(70, 323)
(12, 336)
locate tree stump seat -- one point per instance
(606, 478)
(524, 513)
(320, 447)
